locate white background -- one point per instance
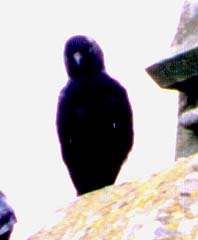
(133, 35)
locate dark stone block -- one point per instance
(176, 69)
(180, 72)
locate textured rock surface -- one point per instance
(172, 72)
(187, 31)
(163, 206)
(180, 72)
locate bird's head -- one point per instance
(83, 57)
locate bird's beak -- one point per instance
(77, 57)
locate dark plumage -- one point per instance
(94, 118)
(7, 218)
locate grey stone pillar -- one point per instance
(180, 72)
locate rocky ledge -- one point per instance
(162, 206)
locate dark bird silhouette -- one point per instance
(94, 118)
(7, 218)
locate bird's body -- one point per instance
(94, 119)
(7, 218)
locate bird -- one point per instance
(94, 118)
(7, 218)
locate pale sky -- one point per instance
(133, 35)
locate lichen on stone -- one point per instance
(163, 206)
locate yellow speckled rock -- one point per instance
(163, 206)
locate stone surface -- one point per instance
(163, 206)
(187, 31)
(181, 72)
(170, 72)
